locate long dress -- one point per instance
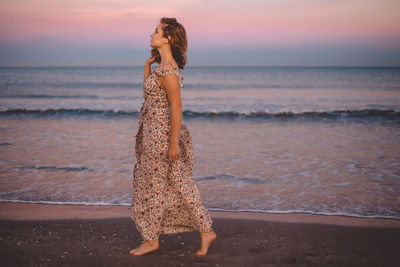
(166, 198)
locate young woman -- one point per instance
(166, 199)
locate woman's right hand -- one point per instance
(151, 60)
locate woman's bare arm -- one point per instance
(147, 67)
(147, 71)
(171, 85)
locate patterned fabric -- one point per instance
(166, 198)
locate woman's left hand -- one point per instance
(173, 152)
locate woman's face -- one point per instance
(157, 38)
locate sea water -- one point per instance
(322, 140)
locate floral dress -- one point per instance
(165, 198)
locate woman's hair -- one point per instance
(177, 42)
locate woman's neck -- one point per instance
(166, 55)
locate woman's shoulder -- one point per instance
(167, 68)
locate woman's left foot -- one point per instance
(206, 240)
(145, 247)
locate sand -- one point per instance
(78, 235)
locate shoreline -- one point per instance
(35, 212)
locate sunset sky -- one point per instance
(220, 33)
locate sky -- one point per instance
(219, 32)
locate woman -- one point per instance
(166, 199)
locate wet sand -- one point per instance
(78, 235)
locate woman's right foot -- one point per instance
(145, 247)
(206, 240)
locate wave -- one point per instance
(335, 114)
(66, 112)
(44, 96)
(188, 86)
(74, 85)
(55, 168)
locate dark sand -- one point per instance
(240, 242)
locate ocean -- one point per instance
(320, 140)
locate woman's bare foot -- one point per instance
(145, 247)
(206, 240)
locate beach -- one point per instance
(86, 235)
